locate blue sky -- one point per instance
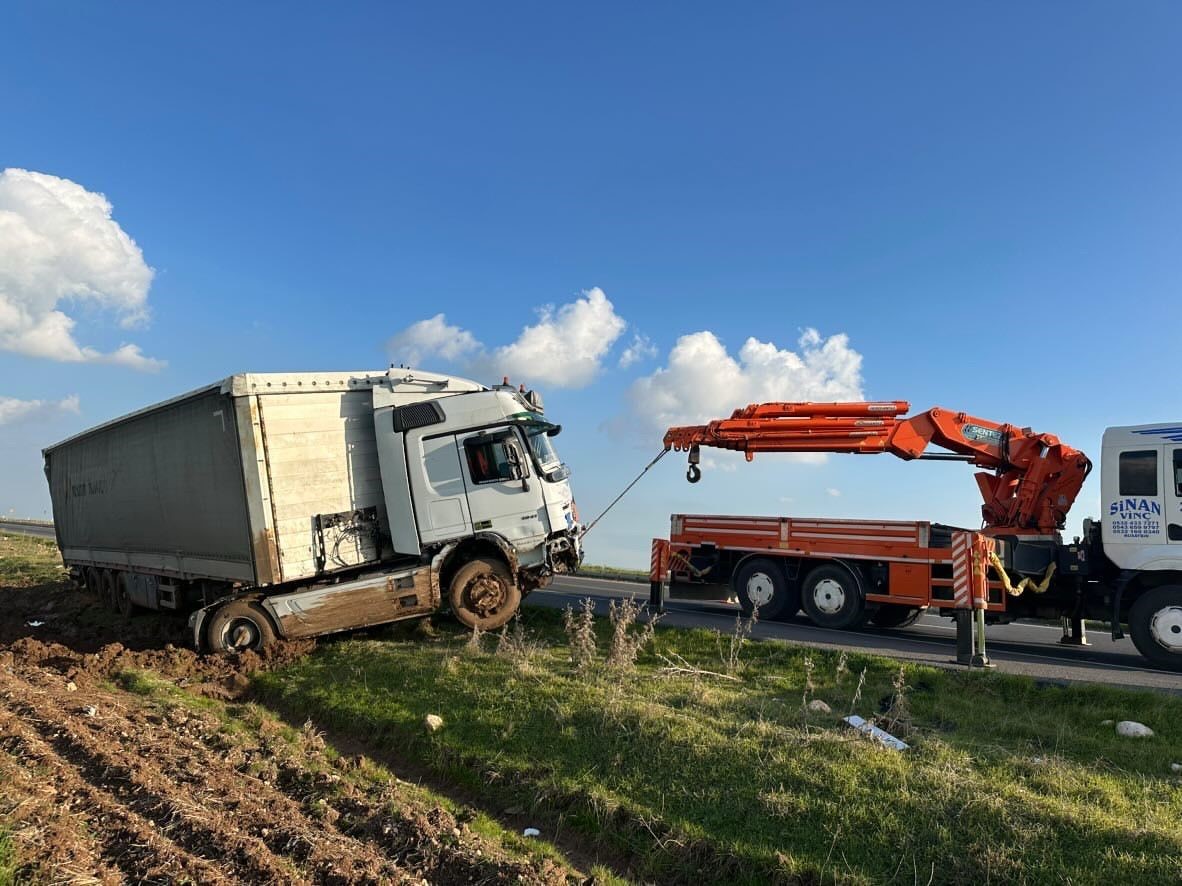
(986, 202)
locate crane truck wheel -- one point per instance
(832, 598)
(893, 615)
(238, 626)
(761, 584)
(484, 595)
(1155, 623)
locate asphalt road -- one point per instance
(1019, 648)
(27, 529)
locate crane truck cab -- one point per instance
(1140, 535)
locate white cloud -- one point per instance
(703, 382)
(59, 247)
(641, 348)
(13, 410)
(835, 493)
(434, 337)
(565, 348)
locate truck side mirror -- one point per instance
(518, 466)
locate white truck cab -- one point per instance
(1141, 536)
(1141, 496)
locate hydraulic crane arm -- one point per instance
(1033, 479)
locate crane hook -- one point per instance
(694, 474)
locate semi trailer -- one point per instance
(283, 505)
(1125, 568)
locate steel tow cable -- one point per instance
(591, 525)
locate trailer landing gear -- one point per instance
(1074, 631)
(970, 638)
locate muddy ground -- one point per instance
(108, 776)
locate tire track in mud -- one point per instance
(248, 831)
(104, 784)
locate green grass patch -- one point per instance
(27, 560)
(8, 863)
(613, 572)
(692, 776)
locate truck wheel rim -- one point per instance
(760, 589)
(829, 596)
(242, 634)
(1166, 628)
(485, 595)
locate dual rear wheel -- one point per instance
(830, 595)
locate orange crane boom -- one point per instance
(1032, 482)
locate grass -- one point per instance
(8, 863)
(697, 777)
(613, 572)
(29, 560)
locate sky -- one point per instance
(653, 213)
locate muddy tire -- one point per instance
(483, 595)
(92, 579)
(893, 615)
(761, 583)
(107, 582)
(1155, 623)
(832, 598)
(120, 597)
(239, 626)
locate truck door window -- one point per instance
(488, 458)
(1178, 472)
(1138, 472)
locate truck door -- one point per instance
(503, 494)
(440, 492)
(1174, 496)
(1135, 496)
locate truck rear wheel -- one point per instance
(894, 615)
(761, 584)
(1155, 623)
(238, 626)
(483, 594)
(832, 598)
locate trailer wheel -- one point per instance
(832, 598)
(894, 615)
(483, 594)
(1155, 623)
(761, 584)
(120, 595)
(93, 580)
(107, 592)
(238, 626)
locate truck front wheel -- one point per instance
(1155, 623)
(238, 626)
(832, 598)
(483, 594)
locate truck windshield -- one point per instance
(540, 446)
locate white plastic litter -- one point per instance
(874, 732)
(1176, 767)
(1133, 729)
(34, 623)
(531, 832)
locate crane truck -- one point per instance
(1125, 568)
(281, 505)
